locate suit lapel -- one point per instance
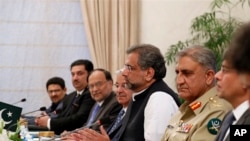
(69, 102)
(102, 108)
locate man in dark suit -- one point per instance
(100, 85)
(57, 93)
(123, 96)
(56, 89)
(231, 84)
(146, 116)
(78, 103)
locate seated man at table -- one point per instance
(79, 102)
(57, 93)
(123, 96)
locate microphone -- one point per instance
(99, 122)
(22, 100)
(41, 109)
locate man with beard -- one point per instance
(153, 102)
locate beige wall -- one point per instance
(164, 22)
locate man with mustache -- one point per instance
(123, 96)
(78, 103)
(199, 117)
(153, 102)
(57, 92)
(100, 84)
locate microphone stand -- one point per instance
(41, 109)
(22, 100)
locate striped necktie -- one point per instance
(118, 120)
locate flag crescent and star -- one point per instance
(10, 115)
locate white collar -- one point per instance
(80, 92)
(100, 103)
(239, 111)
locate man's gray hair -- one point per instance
(200, 54)
(150, 56)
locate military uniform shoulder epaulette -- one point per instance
(215, 101)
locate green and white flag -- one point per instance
(10, 115)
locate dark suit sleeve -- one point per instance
(111, 109)
(116, 107)
(74, 120)
(115, 111)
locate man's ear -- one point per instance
(209, 77)
(150, 72)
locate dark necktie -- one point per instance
(74, 105)
(225, 125)
(117, 121)
(93, 114)
(76, 100)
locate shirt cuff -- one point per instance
(48, 124)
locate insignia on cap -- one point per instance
(195, 105)
(213, 125)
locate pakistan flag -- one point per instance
(10, 115)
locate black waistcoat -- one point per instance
(132, 128)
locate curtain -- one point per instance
(39, 39)
(111, 27)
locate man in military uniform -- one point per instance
(199, 117)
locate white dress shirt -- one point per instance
(158, 111)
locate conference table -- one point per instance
(36, 136)
(37, 133)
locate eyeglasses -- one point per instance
(123, 86)
(54, 91)
(97, 84)
(128, 67)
